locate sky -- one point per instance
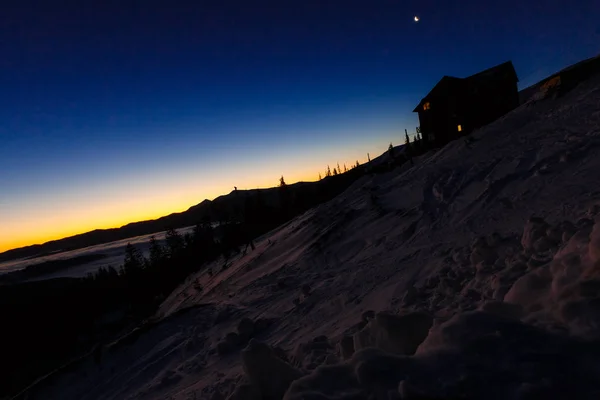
(116, 111)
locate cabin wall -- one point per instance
(470, 106)
(443, 118)
(434, 123)
(492, 100)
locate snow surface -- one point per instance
(473, 274)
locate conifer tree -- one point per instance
(134, 262)
(285, 199)
(156, 252)
(335, 171)
(175, 242)
(409, 150)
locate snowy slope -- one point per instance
(448, 236)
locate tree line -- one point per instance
(67, 317)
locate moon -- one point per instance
(417, 18)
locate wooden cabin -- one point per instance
(457, 106)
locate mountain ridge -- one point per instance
(221, 208)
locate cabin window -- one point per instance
(459, 128)
(426, 106)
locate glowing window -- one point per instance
(426, 106)
(460, 128)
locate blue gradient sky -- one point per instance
(116, 111)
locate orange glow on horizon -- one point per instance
(118, 205)
(72, 228)
(119, 215)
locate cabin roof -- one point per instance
(440, 88)
(448, 83)
(505, 69)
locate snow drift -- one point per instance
(473, 274)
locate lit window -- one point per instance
(460, 128)
(426, 106)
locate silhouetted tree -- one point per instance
(156, 252)
(188, 240)
(368, 158)
(357, 164)
(174, 242)
(204, 240)
(285, 199)
(320, 176)
(335, 171)
(338, 168)
(408, 147)
(106, 274)
(111, 272)
(391, 150)
(345, 168)
(328, 172)
(134, 262)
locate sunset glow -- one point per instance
(117, 202)
(116, 113)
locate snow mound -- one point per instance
(327, 382)
(398, 334)
(473, 355)
(267, 372)
(309, 355)
(567, 290)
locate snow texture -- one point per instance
(473, 274)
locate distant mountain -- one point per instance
(223, 208)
